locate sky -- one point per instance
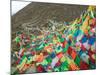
(18, 5)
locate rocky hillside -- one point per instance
(37, 14)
